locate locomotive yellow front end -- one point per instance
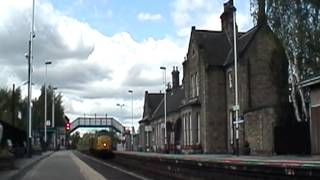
(104, 144)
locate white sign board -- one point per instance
(148, 128)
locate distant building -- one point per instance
(151, 102)
(152, 125)
(175, 95)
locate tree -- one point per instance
(75, 138)
(4, 104)
(296, 24)
(38, 109)
(11, 105)
(83, 143)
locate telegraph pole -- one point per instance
(13, 105)
(53, 120)
(131, 92)
(165, 105)
(236, 107)
(30, 58)
(45, 104)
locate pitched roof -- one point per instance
(213, 45)
(245, 39)
(152, 101)
(243, 43)
(174, 102)
(215, 48)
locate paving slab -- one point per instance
(62, 165)
(22, 165)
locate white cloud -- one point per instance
(204, 14)
(212, 22)
(149, 17)
(185, 12)
(92, 70)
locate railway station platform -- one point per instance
(212, 166)
(21, 166)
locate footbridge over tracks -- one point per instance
(96, 122)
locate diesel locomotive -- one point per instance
(101, 145)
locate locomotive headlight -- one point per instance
(104, 144)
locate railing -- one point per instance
(97, 122)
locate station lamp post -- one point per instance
(121, 111)
(29, 56)
(236, 107)
(121, 106)
(165, 105)
(53, 120)
(131, 92)
(45, 102)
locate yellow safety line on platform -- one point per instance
(117, 168)
(87, 171)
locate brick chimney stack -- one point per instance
(175, 77)
(262, 18)
(227, 18)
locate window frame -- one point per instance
(230, 79)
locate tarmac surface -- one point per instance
(109, 169)
(61, 165)
(22, 165)
(66, 165)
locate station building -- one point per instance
(200, 116)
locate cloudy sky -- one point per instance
(102, 48)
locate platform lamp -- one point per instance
(121, 106)
(165, 105)
(236, 107)
(53, 118)
(45, 101)
(29, 56)
(131, 92)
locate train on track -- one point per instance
(101, 145)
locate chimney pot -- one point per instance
(227, 18)
(175, 77)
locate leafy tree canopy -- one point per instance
(14, 108)
(297, 25)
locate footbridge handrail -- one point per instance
(96, 122)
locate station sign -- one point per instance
(148, 128)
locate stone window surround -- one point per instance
(198, 129)
(189, 132)
(197, 83)
(194, 86)
(192, 90)
(231, 126)
(190, 129)
(230, 78)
